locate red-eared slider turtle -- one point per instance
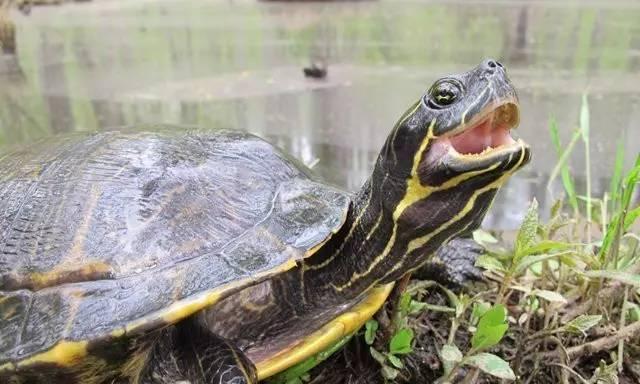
(212, 257)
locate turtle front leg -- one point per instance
(189, 353)
(453, 263)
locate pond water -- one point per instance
(238, 65)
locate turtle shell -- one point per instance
(120, 233)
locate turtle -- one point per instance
(179, 254)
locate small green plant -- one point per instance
(532, 247)
(492, 326)
(390, 359)
(400, 344)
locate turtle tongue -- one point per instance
(490, 133)
(475, 140)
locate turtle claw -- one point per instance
(453, 263)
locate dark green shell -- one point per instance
(111, 233)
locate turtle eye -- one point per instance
(444, 93)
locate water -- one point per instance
(238, 65)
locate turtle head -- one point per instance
(446, 157)
(462, 124)
(434, 180)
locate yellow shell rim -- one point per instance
(320, 340)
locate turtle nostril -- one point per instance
(491, 66)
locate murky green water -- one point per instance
(238, 64)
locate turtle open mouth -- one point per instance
(488, 132)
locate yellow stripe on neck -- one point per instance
(409, 195)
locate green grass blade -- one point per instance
(561, 166)
(585, 130)
(614, 187)
(631, 218)
(623, 277)
(584, 118)
(619, 221)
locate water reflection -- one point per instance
(238, 65)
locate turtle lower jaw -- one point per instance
(443, 152)
(494, 150)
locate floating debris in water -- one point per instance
(316, 71)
